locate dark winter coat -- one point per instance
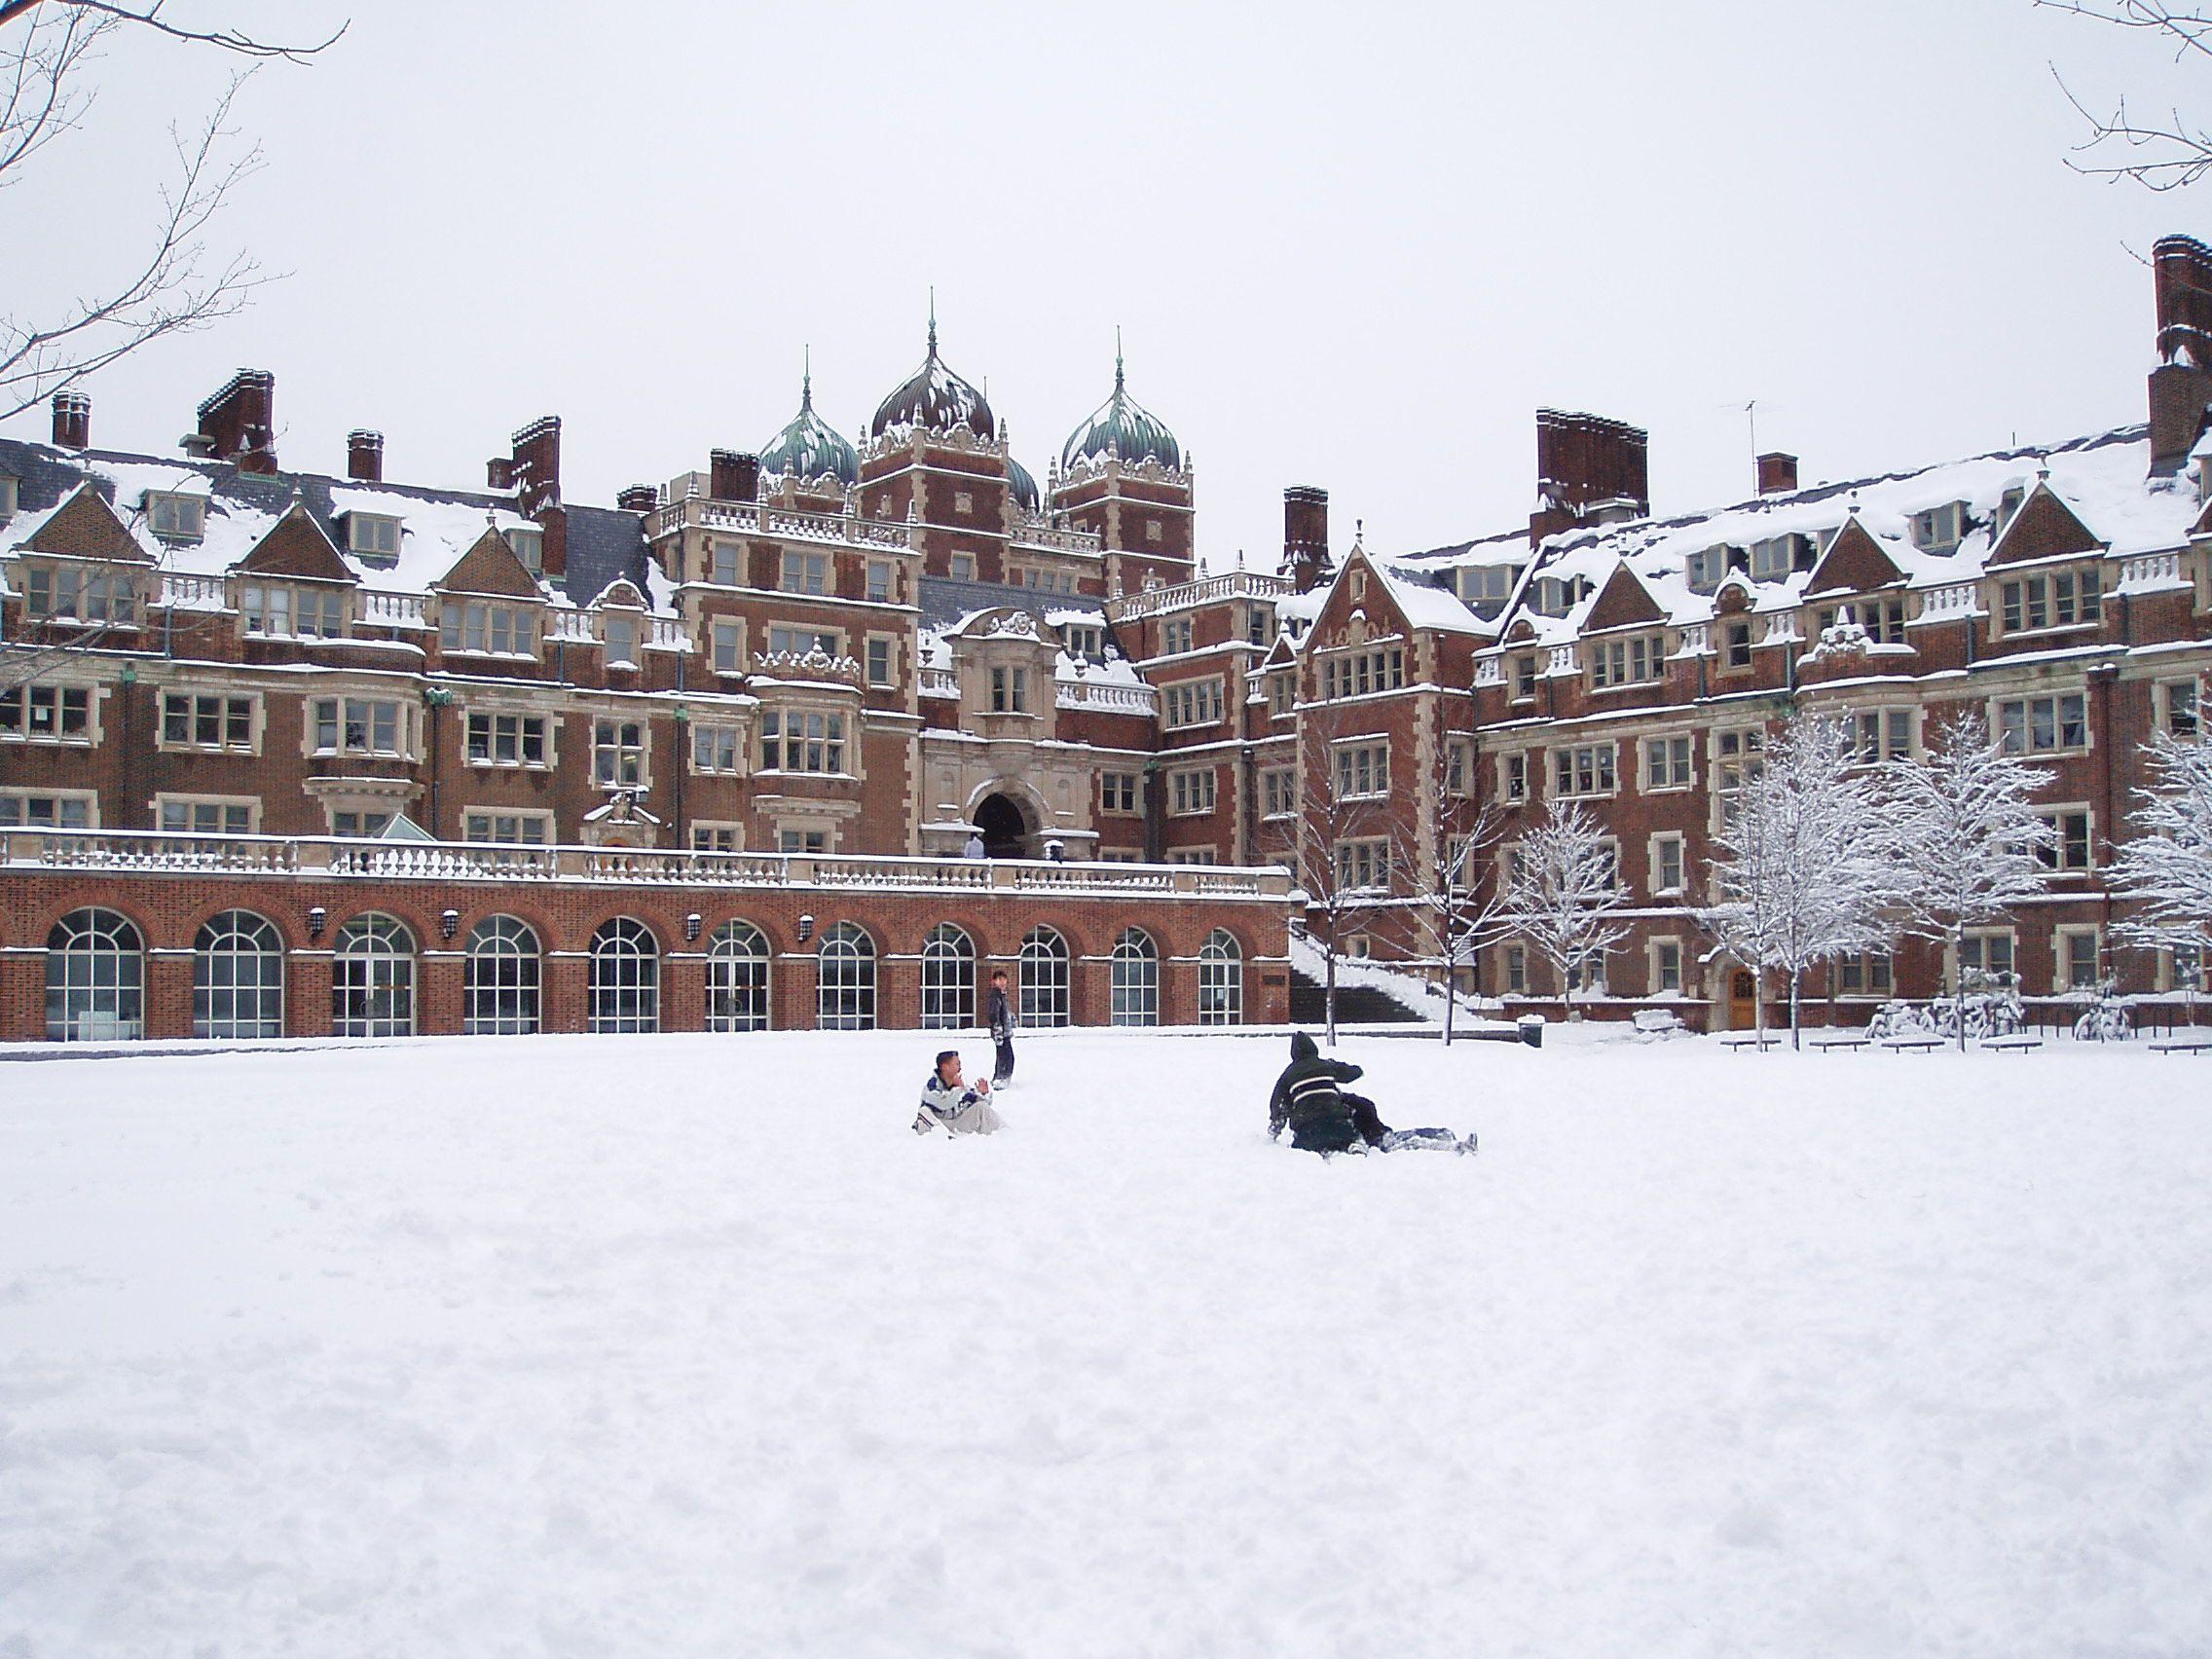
(1309, 1099)
(1001, 1016)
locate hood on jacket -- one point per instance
(1302, 1047)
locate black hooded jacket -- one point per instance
(1309, 1090)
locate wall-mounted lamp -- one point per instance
(805, 929)
(448, 923)
(691, 926)
(315, 919)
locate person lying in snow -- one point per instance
(956, 1107)
(1310, 1099)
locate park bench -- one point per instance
(2016, 1043)
(1858, 1040)
(2183, 1046)
(1749, 1040)
(1656, 1023)
(1916, 1044)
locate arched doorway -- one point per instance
(1005, 827)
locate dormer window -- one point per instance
(619, 634)
(2008, 504)
(373, 538)
(177, 518)
(7, 499)
(1940, 529)
(1778, 556)
(528, 545)
(1554, 596)
(1486, 589)
(1707, 566)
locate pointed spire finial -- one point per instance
(933, 319)
(806, 381)
(1116, 358)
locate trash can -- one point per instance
(1532, 1029)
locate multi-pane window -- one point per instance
(625, 977)
(1118, 792)
(728, 656)
(207, 721)
(372, 980)
(1360, 673)
(717, 837)
(20, 809)
(501, 978)
(2178, 707)
(1083, 639)
(805, 572)
(2042, 725)
(1487, 587)
(501, 630)
(359, 824)
(1043, 999)
(1632, 661)
(1363, 864)
(1989, 954)
(1669, 762)
(1881, 734)
(792, 839)
(1010, 690)
(797, 642)
(528, 542)
(1221, 980)
(373, 538)
(1363, 769)
(46, 713)
(1459, 766)
(208, 816)
(737, 978)
(1706, 567)
(507, 740)
(1665, 967)
(1513, 775)
(2078, 959)
(618, 754)
(507, 829)
(79, 594)
(1516, 970)
(359, 726)
(1259, 625)
(1524, 676)
(1174, 636)
(95, 978)
(1134, 988)
(1666, 863)
(1190, 792)
(845, 979)
(288, 612)
(177, 518)
(1585, 770)
(948, 979)
(1738, 755)
(798, 741)
(620, 636)
(1736, 646)
(2068, 848)
(714, 748)
(238, 977)
(1282, 693)
(1193, 856)
(724, 566)
(962, 566)
(1778, 556)
(1192, 703)
(1863, 975)
(1882, 618)
(878, 660)
(1278, 792)
(1938, 529)
(2063, 599)
(878, 581)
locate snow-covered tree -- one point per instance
(2167, 867)
(1802, 872)
(1563, 895)
(1965, 833)
(1446, 838)
(1344, 840)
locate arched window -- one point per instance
(625, 976)
(1136, 979)
(1221, 980)
(948, 979)
(845, 986)
(372, 980)
(502, 978)
(1044, 978)
(737, 978)
(95, 978)
(238, 977)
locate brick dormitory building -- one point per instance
(286, 753)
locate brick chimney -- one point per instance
(537, 465)
(72, 420)
(1777, 473)
(735, 476)
(240, 420)
(364, 456)
(1583, 463)
(2181, 386)
(1305, 536)
(500, 473)
(638, 498)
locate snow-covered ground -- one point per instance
(687, 1346)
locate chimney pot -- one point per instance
(638, 498)
(240, 420)
(1305, 536)
(500, 473)
(364, 456)
(72, 420)
(734, 476)
(1777, 473)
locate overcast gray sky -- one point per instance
(1353, 246)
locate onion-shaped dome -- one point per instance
(935, 398)
(1024, 485)
(1123, 426)
(810, 445)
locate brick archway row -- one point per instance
(169, 910)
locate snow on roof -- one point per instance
(1425, 605)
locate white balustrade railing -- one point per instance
(1696, 640)
(155, 851)
(667, 634)
(568, 624)
(2153, 571)
(1952, 600)
(940, 683)
(1564, 660)
(1043, 535)
(788, 524)
(381, 610)
(183, 590)
(1119, 696)
(1489, 671)
(1236, 584)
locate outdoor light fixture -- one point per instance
(805, 929)
(448, 923)
(315, 919)
(691, 926)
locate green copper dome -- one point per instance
(1123, 426)
(935, 398)
(1024, 485)
(810, 445)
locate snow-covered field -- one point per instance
(687, 1346)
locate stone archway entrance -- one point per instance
(1006, 829)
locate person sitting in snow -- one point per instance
(1309, 1097)
(956, 1107)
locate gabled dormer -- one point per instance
(620, 624)
(2043, 528)
(83, 566)
(1855, 563)
(294, 583)
(1625, 634)
(85, 527)
(372, 537)
(488, 604)
(1624, 601)
(491, 567)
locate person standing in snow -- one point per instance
(954, 1106)
(1001, 1022)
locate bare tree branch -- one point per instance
(2175, 151)
(150, 17)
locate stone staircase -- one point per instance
(1356, 1005)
